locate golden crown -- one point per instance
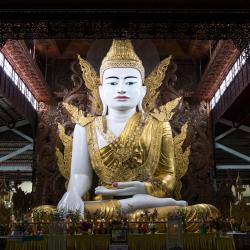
(122, 55)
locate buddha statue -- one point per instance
(130, 149)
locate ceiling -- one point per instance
(64, 49)
(181, 4)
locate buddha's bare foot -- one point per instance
(160, 201)
(141, 201)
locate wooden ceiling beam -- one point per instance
(222, 59)
(20, 59)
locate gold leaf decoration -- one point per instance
(89, 75)
(153, 82)
(76, 115)
(181, 159)
(64, 160)
(92, 81)
(165, 112)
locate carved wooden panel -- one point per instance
(133, 23)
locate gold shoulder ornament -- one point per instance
(64, 159)
(181, 159)
(92, 81)
(153, 81)
(165, 113)
(77, 115)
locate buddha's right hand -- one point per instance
(71, 201)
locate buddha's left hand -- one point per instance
(122, 189)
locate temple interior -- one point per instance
(203, 93)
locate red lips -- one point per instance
(121, 97)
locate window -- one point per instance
(17, 81)
(16, 78)
(212, 104)
(229, 76)
(228, 79)
(7, 68)
(29, 96)
(217, 95)
(222, 87)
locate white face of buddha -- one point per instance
(122, 88)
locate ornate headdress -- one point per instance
(122, 55)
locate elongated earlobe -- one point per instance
(143, 93)
(105, 109)
(139, 106)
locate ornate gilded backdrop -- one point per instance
(69, 88)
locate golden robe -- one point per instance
(151, 160)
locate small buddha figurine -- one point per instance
(131, 151)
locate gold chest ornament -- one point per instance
(131, 156)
